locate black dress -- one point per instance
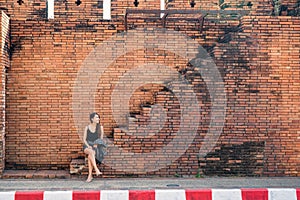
(91, 137)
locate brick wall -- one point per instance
(4, 60)
(262, 81)
(204, 5)
(44, 66)
(257, 58)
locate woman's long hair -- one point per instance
(98, 129)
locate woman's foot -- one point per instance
(98, 173)
(89, 179)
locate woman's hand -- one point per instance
(95, 146)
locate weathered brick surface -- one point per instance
(4, 64)
(262, 85)
(258, 58)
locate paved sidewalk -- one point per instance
(146, 183)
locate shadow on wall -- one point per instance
(245, 159)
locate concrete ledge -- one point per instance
(204, 194)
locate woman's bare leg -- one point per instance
(90, 176)
(92, 161)
(90, 165)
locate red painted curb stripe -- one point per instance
(247, 194)
(141, 195)
(30, 195)
(254, 194)
(198, 194)
(86, 195)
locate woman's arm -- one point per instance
(101, 132)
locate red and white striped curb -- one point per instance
(209, 194)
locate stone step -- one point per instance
(36, 174)
(79, 167)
